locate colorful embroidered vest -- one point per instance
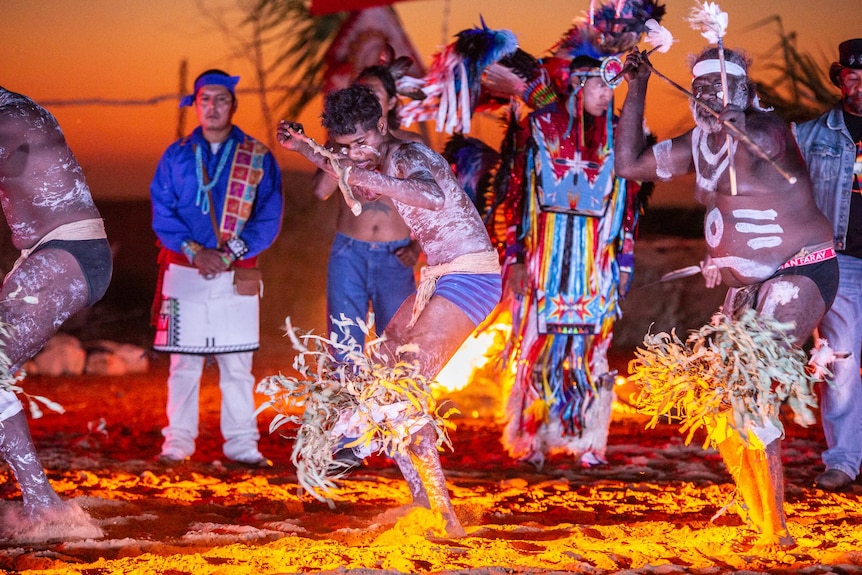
(570, 183)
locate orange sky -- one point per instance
(61, 50)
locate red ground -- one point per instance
(648, 511)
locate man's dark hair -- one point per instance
(383, 74)
(345, 109)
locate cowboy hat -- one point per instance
(849, 56)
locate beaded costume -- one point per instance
(572, 222)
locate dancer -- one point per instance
(832, 147)
(459, 287)
(569, 222)
(570, 256)
(765, 238)
(65, 266)
(372, 257)
(217, 204)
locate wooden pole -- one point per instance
(181, 113)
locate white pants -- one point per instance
(238, 423)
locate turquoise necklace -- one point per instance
(202, 198)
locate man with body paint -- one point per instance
(460, 285)
(832, 147)
(765, 238)
(65, 266)
(372, 256)
(217, 204)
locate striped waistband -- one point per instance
(805, 259)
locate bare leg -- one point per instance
(770, 472)
(414, 481)
(760, 482)
(16, 446)
(426, 461)
(759, 474)
(50, 279)
(436, 344)
(36, 298)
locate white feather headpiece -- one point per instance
(709, 20)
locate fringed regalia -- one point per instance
(572, 222)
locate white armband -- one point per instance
(661, 152)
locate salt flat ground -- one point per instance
(649, 510)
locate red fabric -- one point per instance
(361, 39)
(321, 7)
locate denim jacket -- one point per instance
(830, 153)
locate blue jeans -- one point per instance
(366, 272)
(841, 400)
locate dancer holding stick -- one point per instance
(460, 285)
(661, 41)
(767, 242)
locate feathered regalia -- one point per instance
(554, 207)
(571, 225)
(453, 83)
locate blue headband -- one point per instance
(228, 82)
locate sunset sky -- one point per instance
(113, 50)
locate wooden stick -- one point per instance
(342, 173)
(731, 167)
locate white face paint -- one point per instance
(707, 92)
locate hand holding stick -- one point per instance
(288, 130)
(736, 132)
(629, 66)
(658, 36)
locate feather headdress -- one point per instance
(612, 28)
(473, 162)
(454, 80)
(398, 68)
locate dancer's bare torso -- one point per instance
(42, 186)
(378, 222)
(452, 227)
(769, 220)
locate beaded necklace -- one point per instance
(204, 183)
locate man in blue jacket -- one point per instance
(832, 147)
(217, 204)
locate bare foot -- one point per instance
(766, 546)
(65, 521)
(454, 529)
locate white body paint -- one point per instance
(780, 293)
(455, 227)
(661, 152)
